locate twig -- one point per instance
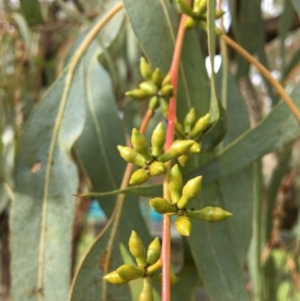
(265, 73)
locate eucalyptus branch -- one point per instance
(166, 236)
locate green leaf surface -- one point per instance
(87, 283)
(32, 11)
(145, 190)
(43, 212)
(185, 288)
(46, 177)
(248, 24)
(212, 249)
(296, 5)
(286, 20)
(155, 25)
(217, 113)
(236, 189)
(278, 128)
(97, 147)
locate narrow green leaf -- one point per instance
(43, 212)
(185, 288)
(286, 20)
(296, 4)
(278, 128)
(42, 215)
(212, 249)
(87, 283)
(281, 170)
(248, 24)
(157, 42)
(146, 190)
(237, 195)
(32, 11)
(97, 147)
(217, 113)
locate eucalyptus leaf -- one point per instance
(248, 24)
(97, 147)
(32, 11)
(275, 130)
(236, 189)
(46, 177)
(88, 283)
(155, 25)
(296, 5)
(212, 249)
(217, 114)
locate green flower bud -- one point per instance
(183, 225)
(175, 183)
(137, 249)
(189, 120)
(140, 144)
(129, 272)
(179, 130)
(157, 168)
(147, 291)
(145, 69)
(209, 214)
(151, 269)
(148, 88)
(114, 278)
(158, 278)
(200, 7)
(185, 8)
(195, 148)
(178, 148)
(189, 191)
(153, 103)
(166, 90)
(131, 155)
(140, 176)
(201, 125)
(158, 140)
(137, 94)
(162, 206)
(164, 107)
(189, 23)
(166, 80)
(219, 14)
(153, 252)
(157, 77)
(183, 159)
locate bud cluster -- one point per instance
(156, 86)
(151, 162)
(193, 129)
(147, 265)
(197, 14)
(180, 197)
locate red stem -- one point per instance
(166, 236)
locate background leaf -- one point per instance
(43, 212)
(155, 23)
(32, 11)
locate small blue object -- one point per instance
(95, 211)
(155, 217)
